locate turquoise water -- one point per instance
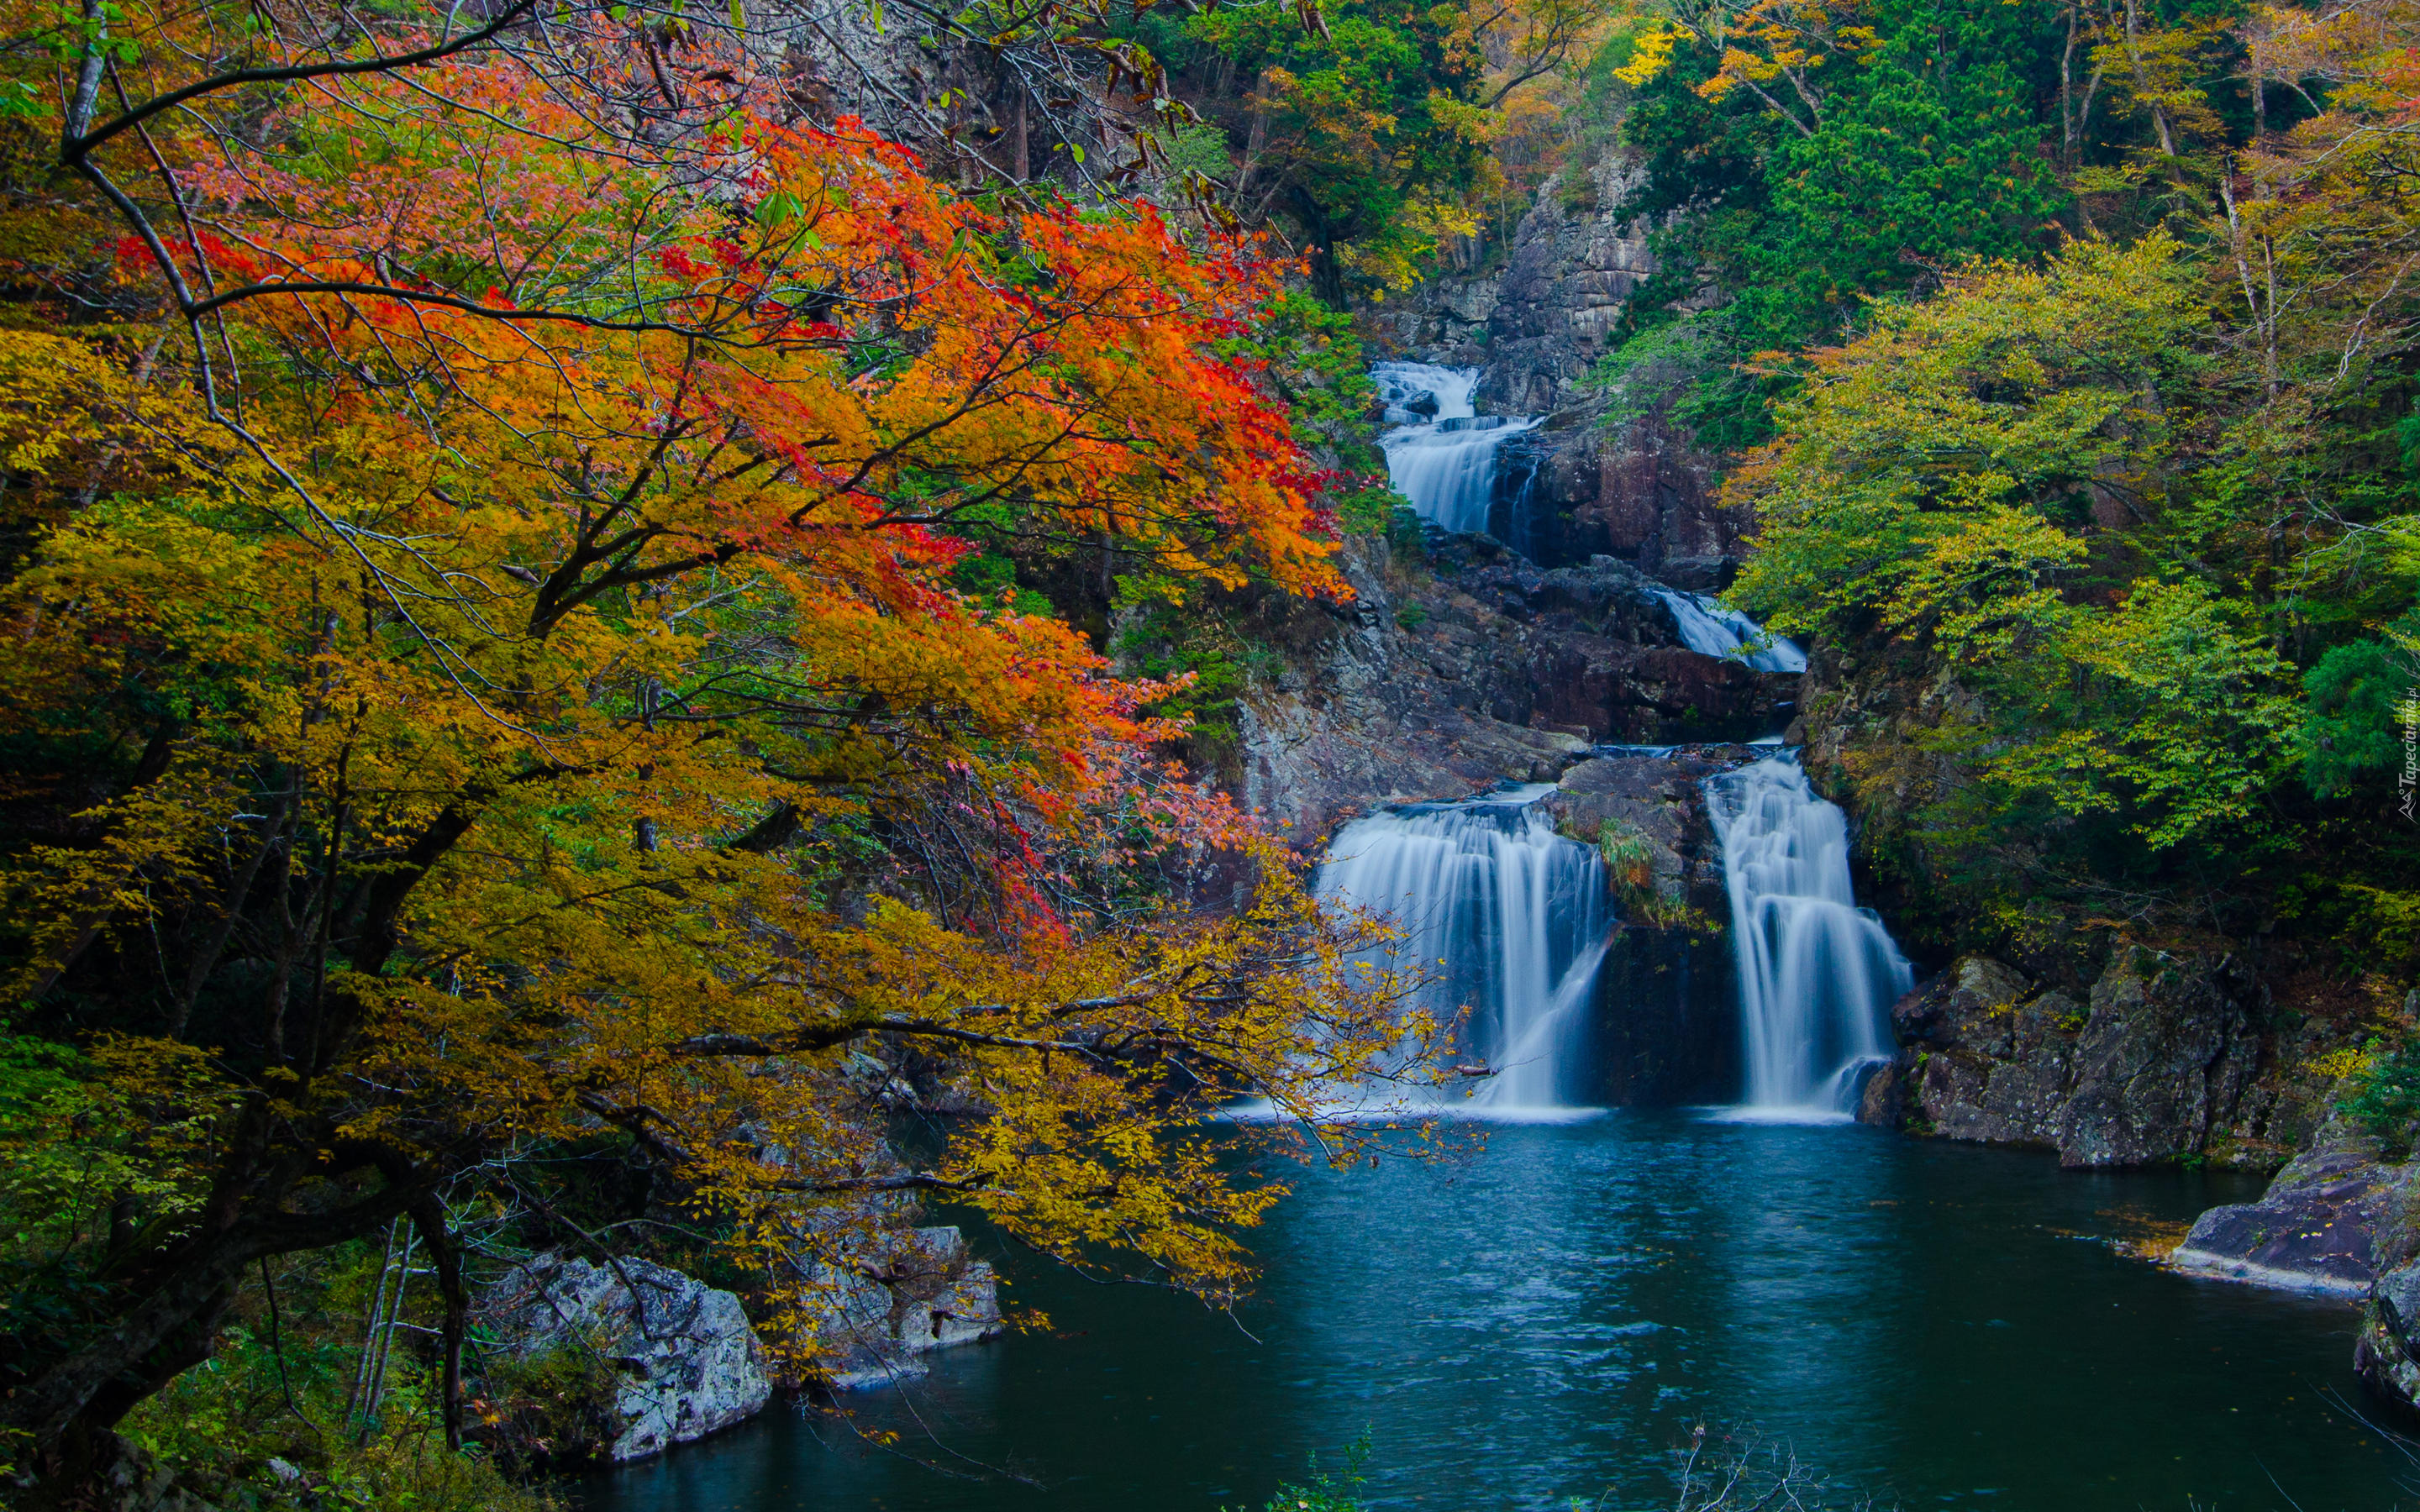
(1546, 1317)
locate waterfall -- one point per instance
(1817, 974)
(1516, 915)
(1708, 626)
(1448, 390)
(1445, 464)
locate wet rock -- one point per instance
(1667, 1022)
(1883, 1100)
(1993, 1054)
(1475, 666)
(2333, 1220)
(685, 1361)
(895, 1297)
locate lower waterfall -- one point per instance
(1444, 465)
(1817, 974)
(1515, 913)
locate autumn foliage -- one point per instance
(483, 673)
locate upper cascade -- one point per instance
(1509, 919)
(1441, 455)
(1817, 973)
(1711, 627)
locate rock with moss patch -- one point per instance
(684, 1360)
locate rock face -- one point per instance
(2386, 1352)
(1635, 490)
(2164, 1061)
(2156, 1063)
(686, 1360)
(1477, 667)
(2335, 1219)
(1667, 1022)
(897, 1297)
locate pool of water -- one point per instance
(1545, 1317)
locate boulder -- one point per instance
(1881, 1101)
(685, 1360)
(1991, 1054)
(2387, 1352)
(2334, 1221)
(894, 1297)
(1666, 1029)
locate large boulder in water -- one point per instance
(1991, 1055)
(894, 1297)
(1665, 1028)
(2335, 1219)
(684, 1360)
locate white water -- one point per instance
(1712, 627)
(1509, 919)
(1444, 464)
(1817, 974)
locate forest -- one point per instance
(639, 631)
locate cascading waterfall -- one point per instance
(1516, 913)
(1444, 465)
(1817, 974)
(1711, 627)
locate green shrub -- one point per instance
(1339, 1492)
(2384, 1097)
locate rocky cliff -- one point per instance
(1577, 486)
(1467, 665)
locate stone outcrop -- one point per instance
(685, 1360)
(2335, 1219)
(1475, 666)
(1996, 1059)
(2164, 1061)
(896, 1298)
(1667, 1025)
(2387, 1352)
(2157, 1062)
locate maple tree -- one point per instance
(483, 671)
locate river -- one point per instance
(1544, 1320)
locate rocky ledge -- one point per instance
(2163, 1057)
(896, 1298)
(2335, 1219)
(1471, 666)
(622, 1360)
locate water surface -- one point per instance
(1546, 1318)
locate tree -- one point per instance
(1991, 478)
(485, 673)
